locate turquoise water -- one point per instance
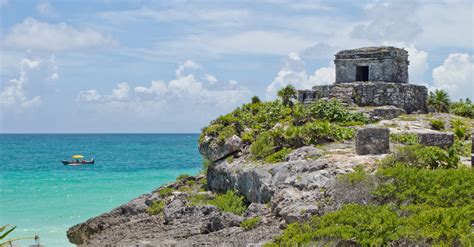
(41, 196)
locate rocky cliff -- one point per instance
(304, 183)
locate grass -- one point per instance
(250, 223)
(404, 138)
(155, 208)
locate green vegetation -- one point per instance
(156, 207)
(462, 108)
(461, 129)
(404, 138)
(255, 100)
(437, 124)
(164, 192)
(278, 156)
(422, 157)
(287, 94)
(439, 100)
(182, 177)
(415, 199)
(250, 223)
(270, 127)
(6, 230)
(410, 205)
(229, 202)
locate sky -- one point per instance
(140, 66)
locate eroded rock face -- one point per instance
(372, 141)
(214, 150)
(437, 139)
(385, 113)
(304, 153)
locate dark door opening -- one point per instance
(362, 73)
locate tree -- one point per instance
(439, 100)
(255, 100)
(286, 95)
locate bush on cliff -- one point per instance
(250, 223)
(462, 108)
(409, 206)
(229, 202)
(156, 207)
(423, 157)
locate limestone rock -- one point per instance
(372, 141)
(385, 113)
(438, 139)
(304, 153)
(214, 150)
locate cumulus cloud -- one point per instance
(388, 21)
(46, 9)
(184, 91)
(418, 58)
(13, 96)
(294, 73)
(37, 35)
(456, 75)
(210, 78)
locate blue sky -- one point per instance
(172, 66)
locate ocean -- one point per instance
(40, 195)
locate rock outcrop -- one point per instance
(213, 149)
(372, 141)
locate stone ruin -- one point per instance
(371, 76)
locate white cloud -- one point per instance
(456, 76)
(247, 42)
(210, 78)
(37, 35)
(294, 73)
(388, 21)
(13, 96)
(190, 14)
(185, 92)
(46, 9)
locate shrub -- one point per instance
(333, 111)
(369, 225)
(278, 156)
(409, 206)
(182, 177)
(437, 124)
(230, 159)
(440, 188)
(164, 192)
(263, 146)
(439, 100)
(198, 200)
(404, 138)
(463, 109)
(255, 100)
(156, 207)
(229, 202)
(250, 223)
(422, 157)
(460, 129)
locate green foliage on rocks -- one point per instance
(409, 205)
(156, 207)
(404, 138)
(250, 223)
(437, 124)
(164, 192)
(278, 156)
(460, 129)
(182, 177)
(422, 157)
(229, 202)
(462, 108)
(269, 127)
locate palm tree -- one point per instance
(439, 100)
(286, 95)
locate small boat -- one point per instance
(78, 160)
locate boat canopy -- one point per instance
(77, 156)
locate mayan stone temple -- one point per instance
(372, 76)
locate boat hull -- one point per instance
(78, 163)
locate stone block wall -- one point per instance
(372, 141)
(411, 98)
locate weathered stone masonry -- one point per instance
(373, 76)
